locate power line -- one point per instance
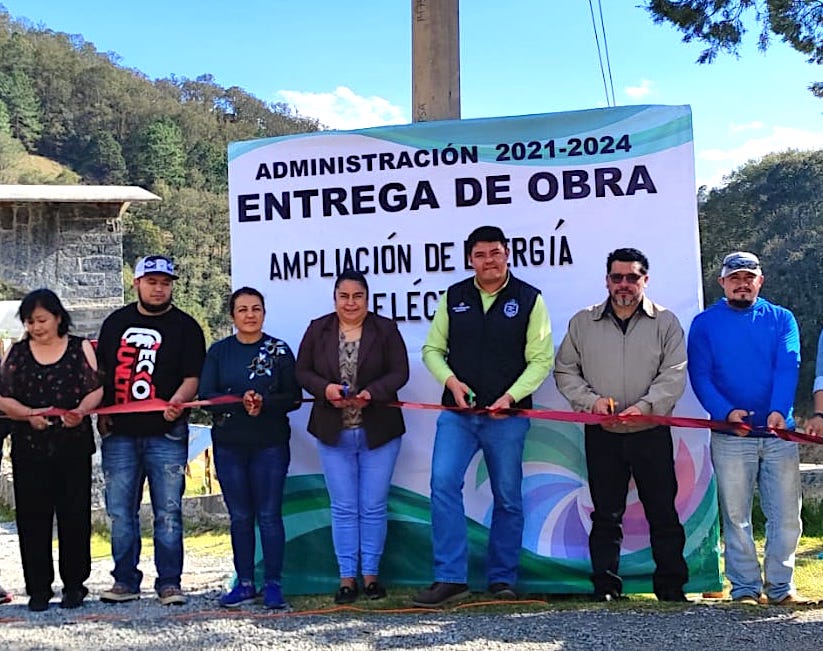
(599, 54)
(606, 49)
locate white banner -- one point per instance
(398, 203)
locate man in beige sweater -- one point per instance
(627, 356)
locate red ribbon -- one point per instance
(608, 421)
(616, 421)
(143, 406)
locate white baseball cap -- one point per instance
(740, 261)
(154, 264)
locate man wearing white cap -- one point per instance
(148, 349)
(744, 357)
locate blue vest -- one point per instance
(487, 351)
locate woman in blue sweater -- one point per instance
(251, 441)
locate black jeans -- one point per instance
(44, 487)
(611, 460)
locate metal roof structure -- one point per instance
(75, 194)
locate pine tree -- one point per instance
(160, 154)
(17, 92)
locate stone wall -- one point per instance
(75, 249)
(211, 510)
(811, 482)
(200, 510)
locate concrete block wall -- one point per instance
(74, 249)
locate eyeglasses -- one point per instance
(632, 279)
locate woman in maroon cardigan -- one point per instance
(353, 362)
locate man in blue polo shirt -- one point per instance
(744, 358)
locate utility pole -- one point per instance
(435, 60)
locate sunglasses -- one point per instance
(632, 279)
(736, 264)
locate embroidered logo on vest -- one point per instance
(511, 308)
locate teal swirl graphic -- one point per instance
(557, 510)
(651, 129)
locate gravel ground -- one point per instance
(200, 624)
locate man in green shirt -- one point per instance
(490, 345)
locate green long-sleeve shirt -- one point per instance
(539, 351)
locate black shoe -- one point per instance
(39, 602)
(73, 597)
(440, 593)
(346, 594)
(674, 597)
(5, 596)
(502, 591)
(611, 595)
(374, 591)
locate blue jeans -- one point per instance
(458, 438)
(252, 481)
(358, 481)
(127, 462)
(773, 465)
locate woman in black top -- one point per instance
(251, 442)
(51, 456)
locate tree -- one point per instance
(106, 159)
(190, 226)
(100, 158)
(11, 151)
(17, 92)
(5, 125)
(114, 125)
(141, 236)
(721, 24)
(159, 154)
(207, 166)
(62, 94)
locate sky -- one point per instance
(348, 64)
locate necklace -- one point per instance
(350, 329)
